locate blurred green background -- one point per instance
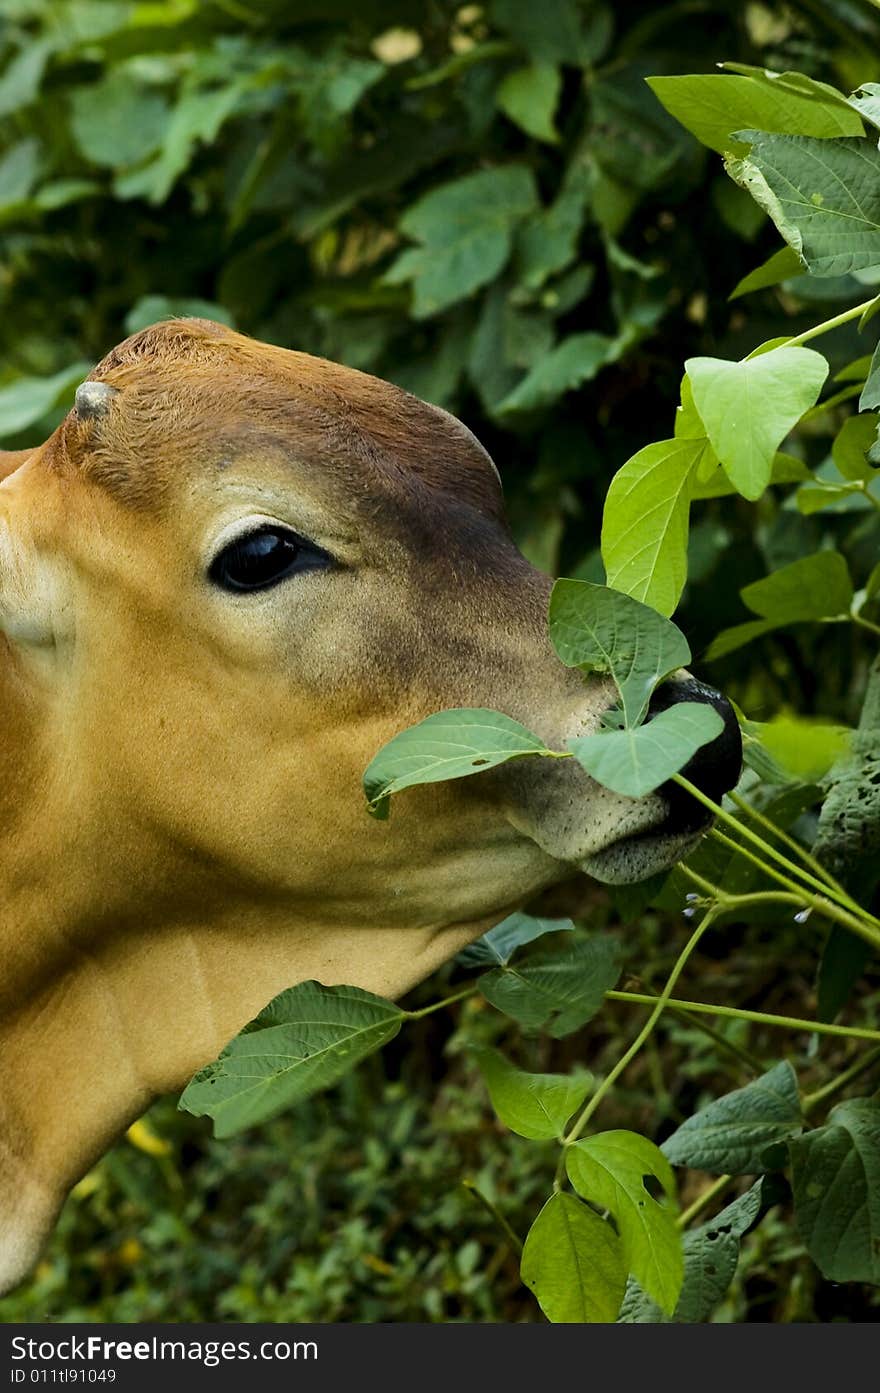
(487, 205)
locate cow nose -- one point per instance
(716, 767)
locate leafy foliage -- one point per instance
(493, 208)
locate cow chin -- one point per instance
(639, 857)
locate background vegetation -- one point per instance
(488, 205)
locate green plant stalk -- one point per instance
(513, 1240)
(857, 618)
(755, 1017)
(704, 1200)
(828, 1090)
(439, 1005)
(809, 860)
(721, 813)
(721, 1042)
(855, 312)
(608, 1082)
(820, 903)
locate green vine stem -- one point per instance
(854, 312)
(805, 898)
(809, 860)
(610, 1079)
(736, 1013)
(513, 1240)
(845, 900)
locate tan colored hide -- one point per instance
(184, 830)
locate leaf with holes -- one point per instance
(573, 1263)
(304, 1040)
(448, 745)
(635, 762)
(610, 1170)
(711, 1253)
(532, 1105)
(601, 630)
(735, 1133)
(553, 990)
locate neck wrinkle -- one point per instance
(113, 1027)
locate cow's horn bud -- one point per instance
(94, 399)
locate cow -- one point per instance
(231, 574)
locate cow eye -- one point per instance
(261, 559)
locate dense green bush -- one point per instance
(490, 206)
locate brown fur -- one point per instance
(183, 826)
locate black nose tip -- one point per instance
(716, 767)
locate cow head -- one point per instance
(226, 580)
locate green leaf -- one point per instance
(645, 523)
(572, 1262)
(866, 101)
(572, 362)
(532, 1105)
(848, 840)
(304, 1040)
(711, 1253)
(610, 1170)
(804, 748)
(870, 398)
(835, 1173)
(529, 96)
(556, 991)
(117, 122)
(498, 946)
(466, 233)
(815, 587)
(819, 496)
(601, 630)
(857, 435)
(843, 962)
(734, 1134)
(634, 762)
(550, 33)
(748, 408)
(448, 745)
(20, 167)
(23, 75)
(547, 242)
(781, 266)
(824, 197)
(149, 309)
(713, 106)
(196, 120)
(26, 400)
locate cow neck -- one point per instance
(96, 1020)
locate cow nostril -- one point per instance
(716, 767)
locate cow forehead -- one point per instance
(190, 395)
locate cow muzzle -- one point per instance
(615, 839)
